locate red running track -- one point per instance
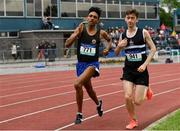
(46, 101)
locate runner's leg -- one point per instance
(140, 94)
(81, 80)
(128, 89)
(91, 92)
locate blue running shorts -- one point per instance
(82, 66)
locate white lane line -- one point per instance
(44, 89)
(54, 95)
(67, 104)
(42, 80)
(51, 88)
(90, 117)
(44, 83)
(55, 107)
(68, 92)
(112, 109)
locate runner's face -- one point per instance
(131, 20)
(93, 18)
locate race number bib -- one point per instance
(89, 50)
(134, 57)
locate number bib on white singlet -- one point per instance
(89, 50)
(134, 57)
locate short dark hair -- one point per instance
(95, 9)
(132, 11)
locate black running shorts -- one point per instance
(138, 78)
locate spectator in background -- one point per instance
(50, 24)
(14, 51)
(47, 23)
(19, 51)
(46, 49)
(52, 51)
(178, 37)
(53, 47)
(40, 48)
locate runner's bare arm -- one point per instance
(120, 46)
(152, 47)
(74, 36)
(105, 36)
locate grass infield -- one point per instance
(169, 122)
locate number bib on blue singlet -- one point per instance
(134, 57)
(87, 49)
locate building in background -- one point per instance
(21, 15)
(29, 22)
(177, 20)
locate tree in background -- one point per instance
(170, 4)
(167, 17)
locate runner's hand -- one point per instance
(122, 43)
(141, 68)
(105, 52)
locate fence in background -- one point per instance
(53, 49)
(35, 55)
(41, 48)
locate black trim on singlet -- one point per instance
(88, 41)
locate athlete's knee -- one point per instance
(89, 89)
(138, 102)
(77, 85)
(128, 97)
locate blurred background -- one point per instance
(35, 30)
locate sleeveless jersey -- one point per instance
(88, 46)
(135, 50)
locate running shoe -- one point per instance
(79, 118)
(133, 123)
(149, 94)
(99, 108)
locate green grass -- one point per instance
(171, 122)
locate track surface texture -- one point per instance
(46, 100)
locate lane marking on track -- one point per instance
(54, 95)
(90, 117)
(51, 88)
(56, 107)
(112, 109)
(69, 92)
(41, 80)
(44, 83)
